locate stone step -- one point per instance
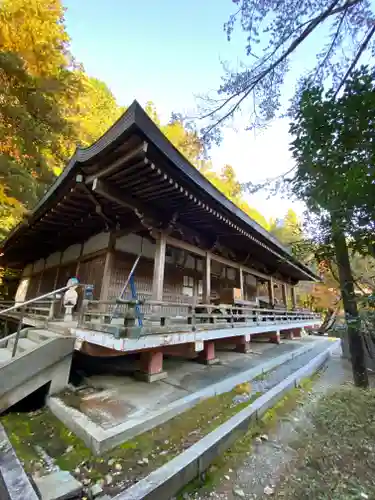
(24, 344)
(39, 336)
(5, 355)
(58, 485)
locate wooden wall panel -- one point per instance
(91, 273)
(173, 279)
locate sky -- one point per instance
(169, 52)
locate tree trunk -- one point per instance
(356, 347)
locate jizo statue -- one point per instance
(70, 298)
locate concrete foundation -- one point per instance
(121, 408)
(169, 479)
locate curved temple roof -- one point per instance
(146, 172)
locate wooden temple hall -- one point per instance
(205, 272)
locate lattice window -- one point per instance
(188, 286)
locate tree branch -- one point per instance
(361, 49)
(311, 26)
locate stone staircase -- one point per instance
(42, 357)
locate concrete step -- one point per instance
(38, 335)
(23, 345)
(5, 355)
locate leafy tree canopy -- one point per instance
(334, 149)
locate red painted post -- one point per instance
(243, 344)
(207, 356)
(275, 338)
(151, 366)
(297, 332)
(289, 334)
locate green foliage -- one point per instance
(96, 110)
(287, 230)
(33, 80)
(30, 127)
(335, 154)
(48, 104)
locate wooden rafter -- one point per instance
(110, 169)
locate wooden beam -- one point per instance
(141, 150)
(117, 196)
(199, 251)
(98, 206)
(174, 242)
(159, 265)
(236, 265)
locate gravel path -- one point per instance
(260, 471)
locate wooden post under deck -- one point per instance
(271, 292)
(207, 279)
(159, 264)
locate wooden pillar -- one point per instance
(271, 292)
(159, 265)
(242, 283)
(207, 279)
(108, 265)
(294, 297)
(284, 294)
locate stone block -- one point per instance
(58, 485)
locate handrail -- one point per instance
(22, 306)
(31, 301)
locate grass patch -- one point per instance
(336, 457)
(157, 446)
